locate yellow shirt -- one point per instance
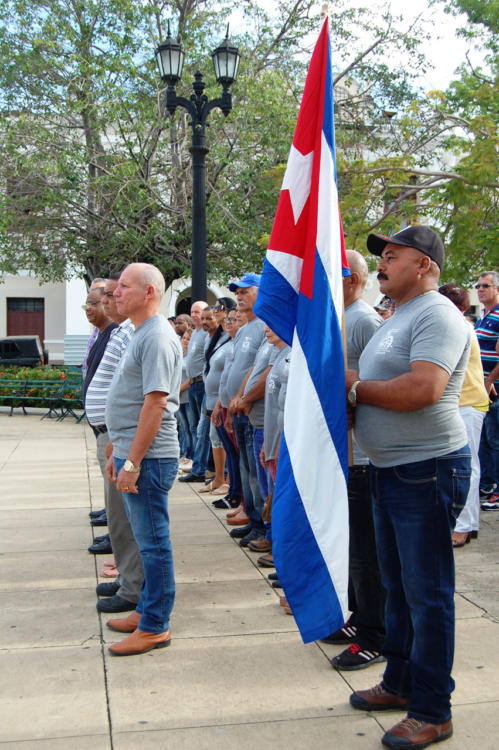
(473, 392)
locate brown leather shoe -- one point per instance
(266, 561)
(140, 642)
(236, 511)
(260, 545)
(412, 734)
(240, 520)
(377, 699)
(125, 624)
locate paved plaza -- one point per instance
(237, 675)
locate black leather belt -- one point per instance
(100, 430)
(197, 379)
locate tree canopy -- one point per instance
(95, 174)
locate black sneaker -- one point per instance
(354, 657)
(486, 494)
(344, 635)
(221, 503)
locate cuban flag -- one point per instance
(301, 299)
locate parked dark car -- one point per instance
(22, 351)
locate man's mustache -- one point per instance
(382, 275)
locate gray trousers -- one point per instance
(126, 553)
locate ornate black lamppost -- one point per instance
(170, 59)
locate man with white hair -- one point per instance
(487, 331)
(140, 417)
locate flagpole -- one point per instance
(345, 358)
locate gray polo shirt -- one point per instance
(222, 390)
(212, 380)
(195, 353)
(151, 362)
(273, 418)
(428, 328)
(247, 341)
(264, 358)
(361, 321)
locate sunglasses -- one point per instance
(483, 286)
(218, 308)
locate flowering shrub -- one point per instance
(40, 386)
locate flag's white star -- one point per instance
(297, 179)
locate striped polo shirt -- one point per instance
(95, 400)
(487, 331)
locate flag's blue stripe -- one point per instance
(276, 303)
(328, 117)
(299, 562)
(319, 333)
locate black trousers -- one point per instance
(366, 595)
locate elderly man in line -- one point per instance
(195, 366)
(123, 594)
(487, 331)
(407, 421)
(247, 342)
(182, 323)
(140, 416)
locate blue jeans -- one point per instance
(185, 435)
(235, 491)
(196, 395)
(262, 474)
(148, 515)
(253, 502)
(489, 449)
(202, 444)
(415, 507)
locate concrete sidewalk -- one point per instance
(237, 675)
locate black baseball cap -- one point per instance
(421, 238)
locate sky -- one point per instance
(446, 50)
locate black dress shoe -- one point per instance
(103, 538)
(101, 548)
(115, 604)
(107, 589)
(192, 478)
(99, 521)
(240, 531)
(272, 577)
(96, 513)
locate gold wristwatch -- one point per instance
(128, 466)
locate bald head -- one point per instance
(358, 265)
(354, 285)
(196, 310)
(148, 275)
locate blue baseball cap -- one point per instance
(249, 279)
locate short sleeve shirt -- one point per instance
(152, 362)
(428, 328)
(247, 341)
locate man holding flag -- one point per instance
(301, 300)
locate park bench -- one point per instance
(61, 397)
(35, 393)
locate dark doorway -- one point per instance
(183, 307)
(26, 315)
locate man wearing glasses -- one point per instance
(487, 331)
